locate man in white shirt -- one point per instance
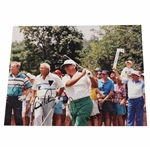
(136, 99)
(77, 86)
(46, 86)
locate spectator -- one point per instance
(114, 79)
(119, 101)
(95, 94)
(113, 76)
(26, 112)
(96, 72)
(99, 75)
(17, 83)
(57, 117)
(145, 114)
(45, 88)
(126, 72)
(106, 86)
(136, 99)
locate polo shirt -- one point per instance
(135, 89)
(80, 89)
(16, 85)
(47, 87)
(105, 87)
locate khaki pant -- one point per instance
(43, 111)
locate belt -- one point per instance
(135, 98)
(78, 100)
(14, 98)
(108, 100)
(116, 100)
(11, 97)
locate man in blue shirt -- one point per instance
(106, 86)
(17, 83)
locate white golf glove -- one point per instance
(21, 98)
(31, 108)
(89, 73)
(57, 100)
(67, 110)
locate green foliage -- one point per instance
(50, 43)
(47, 44)
(102, 52)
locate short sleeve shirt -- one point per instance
(80, 89)
(48, 86)
(16, 85)
(105, 87)
(135, 89)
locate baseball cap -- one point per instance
(105, 72)
(136, 73)
(58, 72)
(112, 71)
(129, 61)
(68, 62)
(97, 69)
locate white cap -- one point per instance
(68, 62)
(28, 74)
(32, 77)
(136, 73)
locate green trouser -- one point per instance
(80, 111)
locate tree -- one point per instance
(49, 44)
(103, 52)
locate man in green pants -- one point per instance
(77, 86)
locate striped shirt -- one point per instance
(16, 85)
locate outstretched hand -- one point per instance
(115, 69)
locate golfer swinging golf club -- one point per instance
(77, 86)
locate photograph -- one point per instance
(76, 76)
(73, 75)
